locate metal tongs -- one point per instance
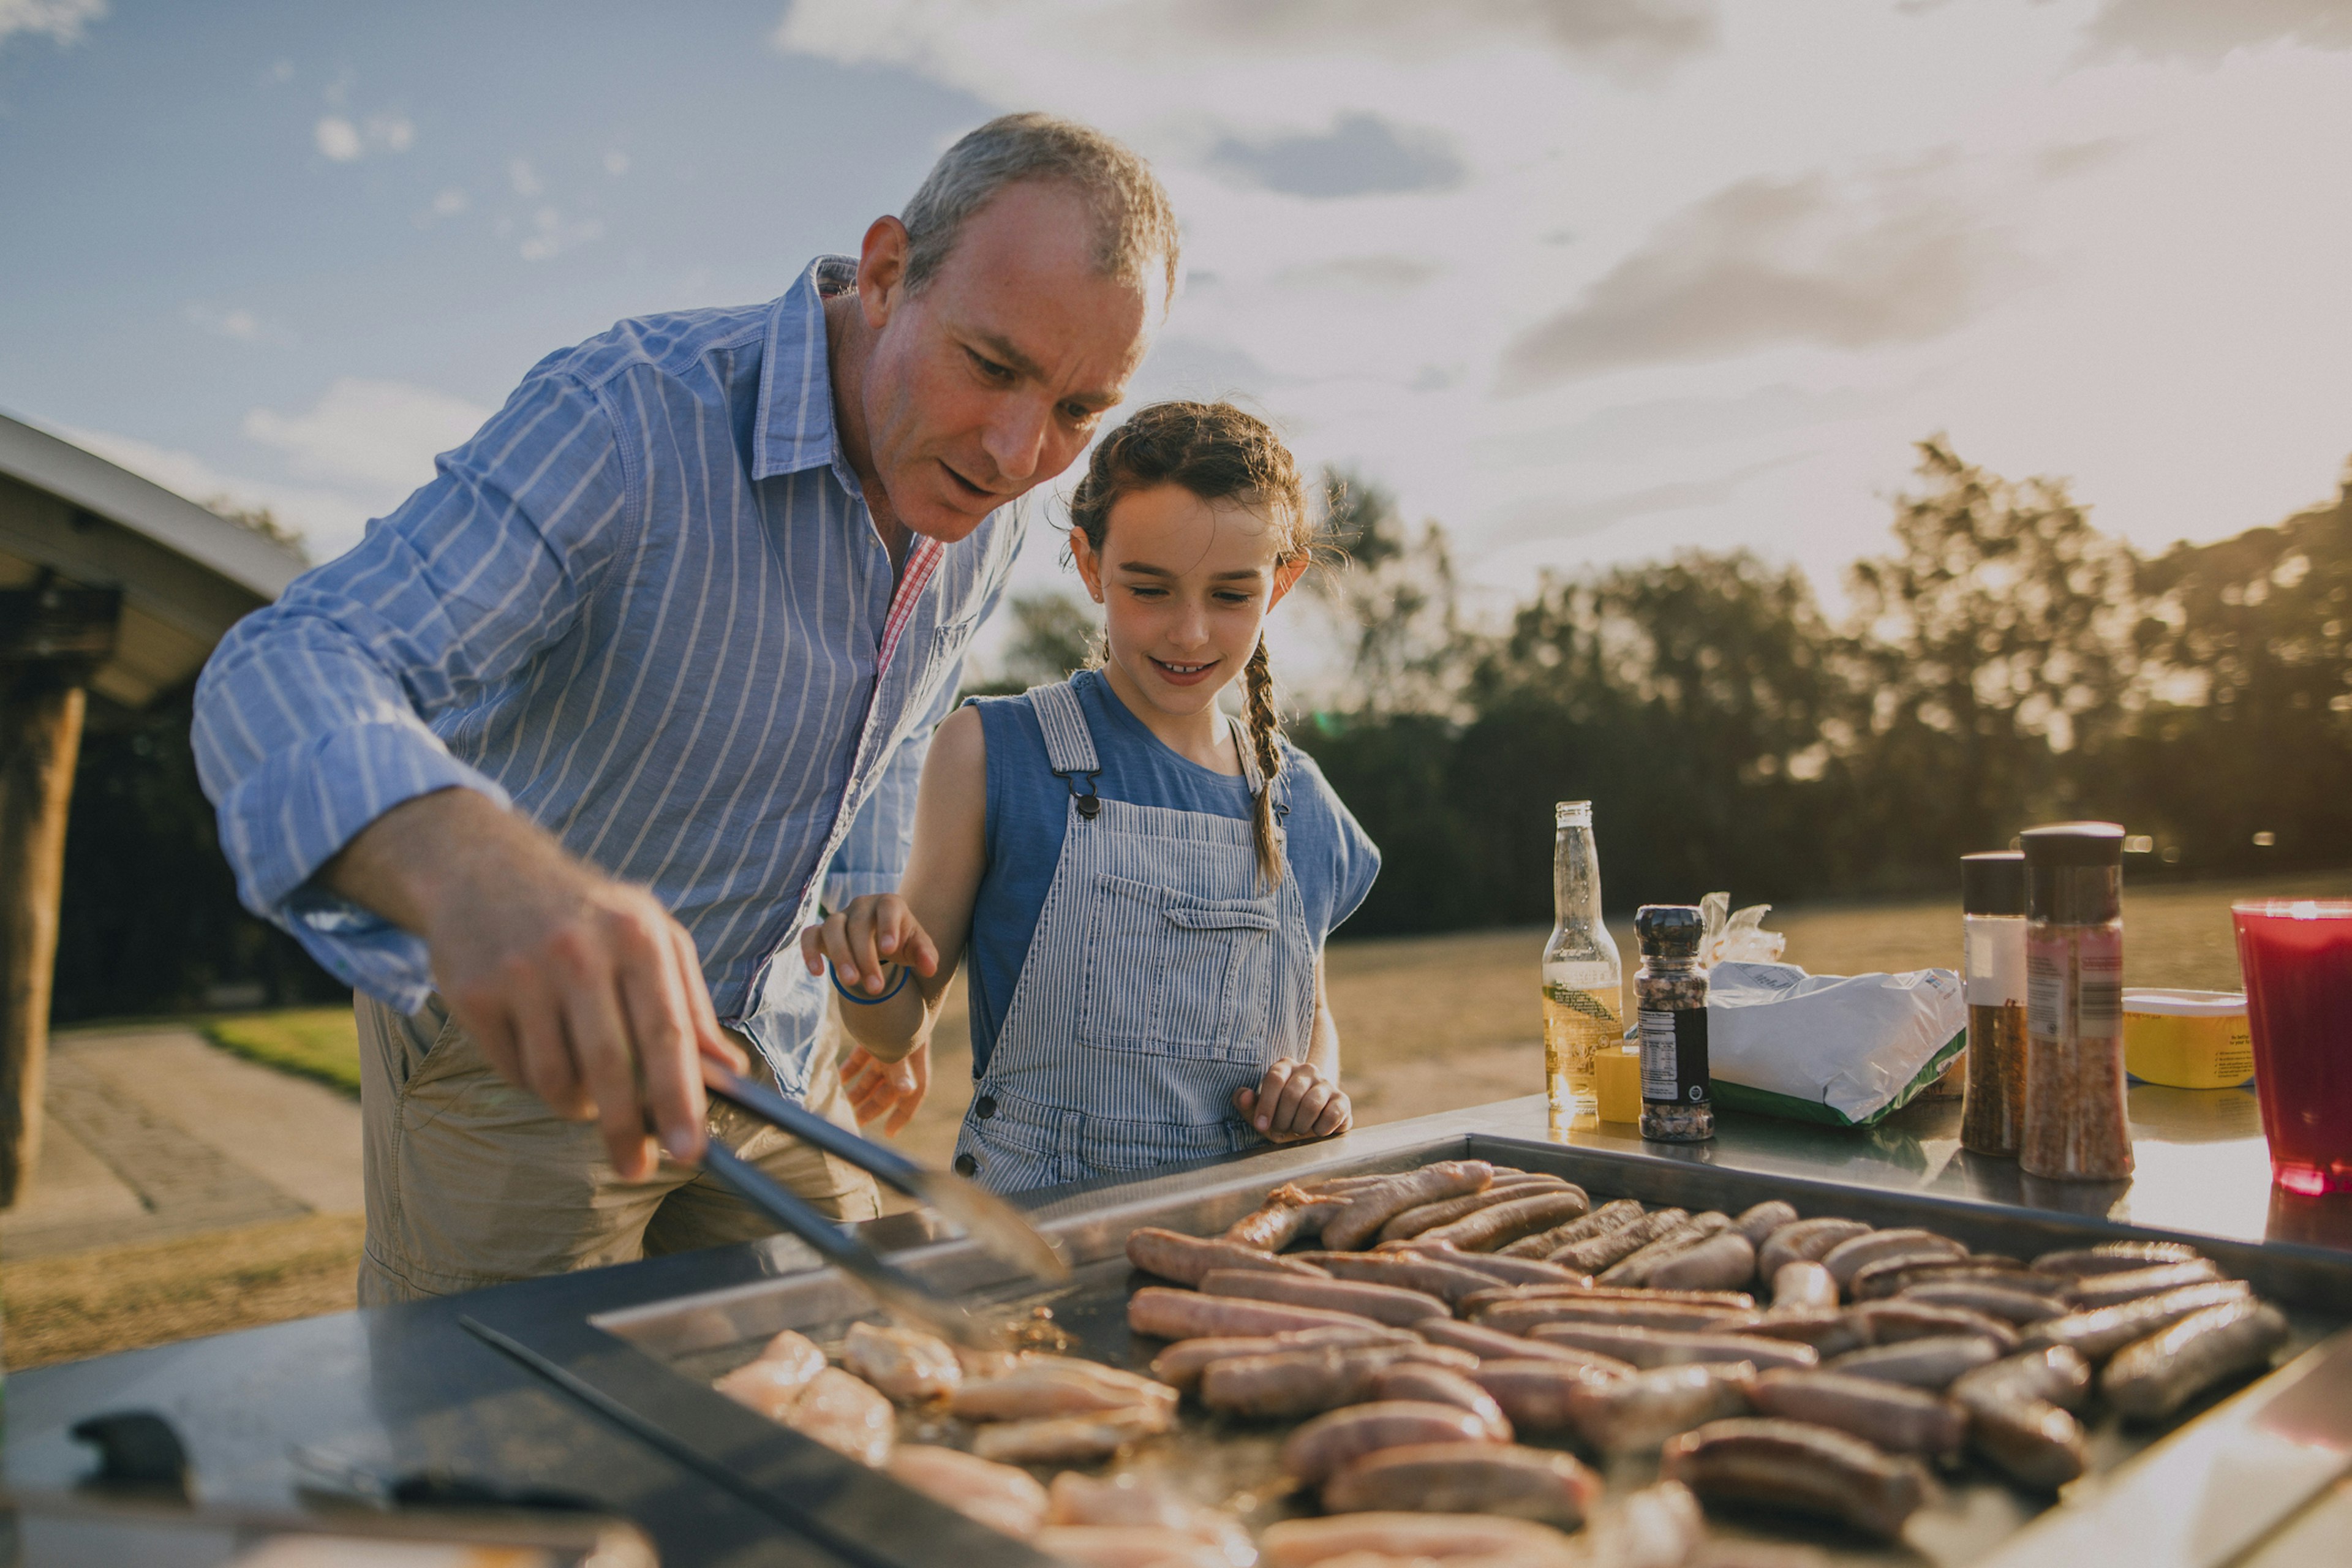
(996, 1225)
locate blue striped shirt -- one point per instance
(645, 605)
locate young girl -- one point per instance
(1142, 885)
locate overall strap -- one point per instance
(1069, 745)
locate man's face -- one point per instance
(990, 380)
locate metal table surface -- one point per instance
(403, 1388)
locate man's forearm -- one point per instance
(408, 863)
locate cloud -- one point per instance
(2207, 30)
(60, 20)
(1680, 424)
(238, 323)
(1549, 520)
(340, 141)
(1376, 274)
(552, 233)
(1630, 39)
(328, 520)
(523, 177)
(381, 434)
(1765, 262)
(1361, 155)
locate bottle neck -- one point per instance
(1576, 879)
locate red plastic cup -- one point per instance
(2296, 957)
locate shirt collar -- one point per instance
(795, 428)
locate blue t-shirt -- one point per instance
(1028, 811)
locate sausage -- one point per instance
(1158, 1313)
(1610, 1216)
(1717, 1263)
(1444, 1211)
(1534, 1395)
(1501, 1271)
(1179, 1365)
(1331, 1442)
(1991, 1300)
(1665, 1347)
(1721, 1300)
(1595, 1253)
(1450, 1282)
(1385, 1537)
(1493, 1343)
(2115, 1257)
(1897, 1276)
(1492, 1478)
(1898, 1419)
(1293, 1383)
(1054, 1385)
(2151, 1378)
(1930, 1364)
(1806, 1239)
(1490, 1227)
(1441, 1385)
(2093, 1291)
(2100, 1334)
(1634, 1269)
(1847, 1257)
(1518, 1317)
(2016, 1418)
(1620, 1414)
(1809, 1470)
(1366, 1209)
(1381, 1303)
(1800, 1286)
(1829, 1331)
(1286, 1215)
(1892, 1323)
(2054, 1375)
(1758, 1221)
(1185, 1258)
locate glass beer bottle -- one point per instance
(1582, 979)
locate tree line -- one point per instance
(2003, 663)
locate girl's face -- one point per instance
(1184, 584)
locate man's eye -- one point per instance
(989, 368)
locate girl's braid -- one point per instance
(1266, 728)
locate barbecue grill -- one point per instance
(2197, 1493)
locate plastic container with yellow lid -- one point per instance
(2188, 1039)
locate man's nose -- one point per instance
(1015, 438)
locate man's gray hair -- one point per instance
(1134, 221)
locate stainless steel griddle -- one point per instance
(2197, 1494)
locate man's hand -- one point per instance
(1294, 1101)
(864, 940)
(896, 1090)
(579, 988)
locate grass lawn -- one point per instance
(320, 1043)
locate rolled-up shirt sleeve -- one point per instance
(313, 717)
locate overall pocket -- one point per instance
(1167, 971)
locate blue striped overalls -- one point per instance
(1164, 977)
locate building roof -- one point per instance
(187, 574)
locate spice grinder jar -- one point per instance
(2075, 1126)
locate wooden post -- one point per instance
(50, 637)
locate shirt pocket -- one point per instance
(1167, 971)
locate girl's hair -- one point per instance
(1219, 453)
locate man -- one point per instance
(556, 763)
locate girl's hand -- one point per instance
(896, 1088)
(1293, 1102)
(862, 941)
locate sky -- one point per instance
(1586, 280)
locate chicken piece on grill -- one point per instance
(1414, 1537)
(773, 1382)
(1132, 1502)
(1125, 1546)
(1005, 1500)
(1071, 1439)
(1046, 1385)
(907, 1364)
(847, 1414)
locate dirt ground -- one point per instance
(1427, 1024)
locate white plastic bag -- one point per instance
(1845, 1049)
(1725, 937)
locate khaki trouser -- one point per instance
(472, 1182)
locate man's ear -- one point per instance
(1090, 565)
(1287, 575)
(882, 270)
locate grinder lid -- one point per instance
(1993, 883)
